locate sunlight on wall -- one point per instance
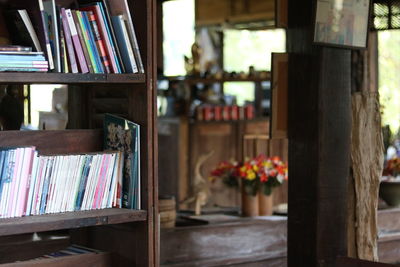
(389, 78)
(41, 100)
(179, 35)
(244, 48)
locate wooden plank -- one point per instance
(319, 124)
(244, 240)
(389, 220)
(69, 220)
(350, 262)
(55, 142)
(82, 260)
(70, 78)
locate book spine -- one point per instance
(6, 182)
(86, 37)
(46, 36)
(104, 34)
(82, 40)
(32, 183)
(63, 48)
(105, 8)
(76, 42)
(70, 48)
(92, 43)
(124, 44)
(50, 9)
(99, 42)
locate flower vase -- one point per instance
(249, 204)
(265, 204)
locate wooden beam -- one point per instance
(319, 143)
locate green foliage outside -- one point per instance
(389, 78)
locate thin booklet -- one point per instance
(123, 135)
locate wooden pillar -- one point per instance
(319, 143)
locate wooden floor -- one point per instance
(260, 241)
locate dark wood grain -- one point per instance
(350, 262)
(82, 260)
(55, 142)
(69, 220)
(242, 241)
(70, 78)
(319, 122)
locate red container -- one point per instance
(208, 113)
(249, 112)
(217, 113)
(226, 113)
(234, 112)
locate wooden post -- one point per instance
(319, 121)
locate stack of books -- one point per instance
(93, 37)
(33, 184)
(19, 58)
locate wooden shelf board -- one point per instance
(213, 80)
(70, 78)
(68, 220)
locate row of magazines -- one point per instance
(86, 37)
(32, 183)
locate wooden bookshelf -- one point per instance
(129, 235)
(69, 78)
(69, 220)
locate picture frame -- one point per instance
(279, 96)
(342, 23)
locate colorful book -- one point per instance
(68, 40)
(92, 43)
(99, 42)
(82, 40)
(77, 44)
(105, 34)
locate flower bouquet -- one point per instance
(257, 175)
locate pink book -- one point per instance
(23, 189)
(102, 179)
(68, 39)
(76, 42)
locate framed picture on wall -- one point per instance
(342, 23)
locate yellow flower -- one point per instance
(251, 175)
(255, 168)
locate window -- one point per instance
(243, 48)
(179, 35)
(389, 80)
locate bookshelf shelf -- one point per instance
(90, 96)
(194, 80)
(70, 78)
(69, 220)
